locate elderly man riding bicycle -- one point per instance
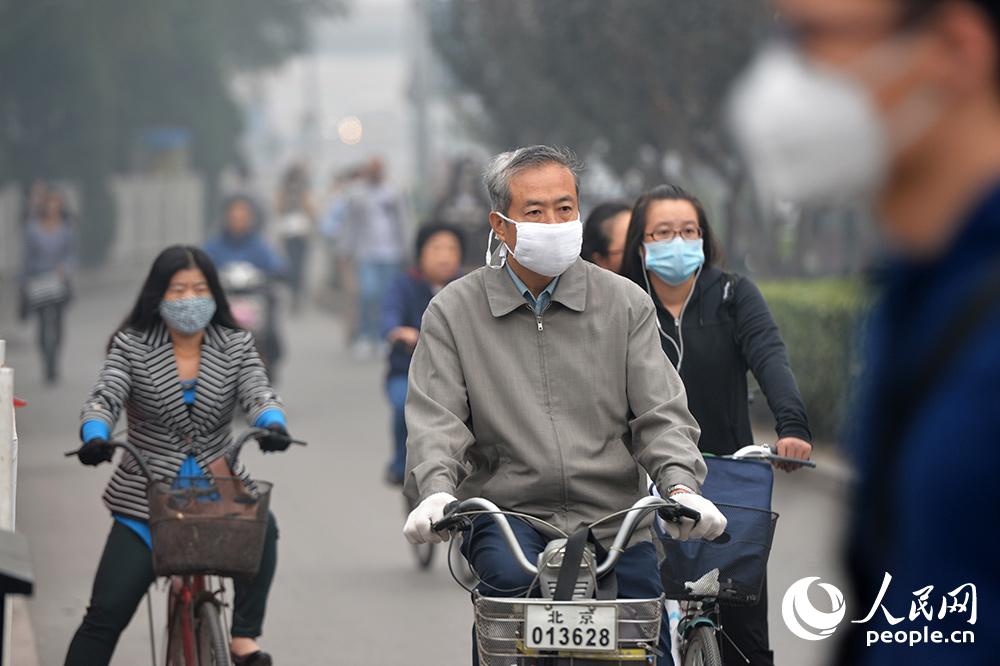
(539, 383)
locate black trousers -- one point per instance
(747, 627)
(50, 327)
(124, 575)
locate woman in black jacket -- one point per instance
(714, 326)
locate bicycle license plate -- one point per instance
(571, 627)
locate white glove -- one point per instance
(418, 524)
(711, 525)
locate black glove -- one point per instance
(276, 439)
(95, 452)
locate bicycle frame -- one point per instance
(188, 592)
(186, 595)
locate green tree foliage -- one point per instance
(819, 321)
(80, 78)
(634, 73)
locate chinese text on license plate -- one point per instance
(571, 627)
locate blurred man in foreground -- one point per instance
(901, 99)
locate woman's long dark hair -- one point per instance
(146, 312)
(632, 263)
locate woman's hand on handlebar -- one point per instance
(96, 451)
(274, 438)
(420, 522)
(791, 447)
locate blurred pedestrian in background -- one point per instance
(714, 326)
(374, 237)
(50, 246)
(604, 234)
(333, 227)
(332, 222)
(439, 254)
(296, 218)
(465, 206)
(908, 92)
(249, 268)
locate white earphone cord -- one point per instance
(680, 319)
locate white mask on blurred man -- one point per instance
(812, 134)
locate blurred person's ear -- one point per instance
(968, 62)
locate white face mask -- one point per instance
(813, 135)
(546, 249)
(809, 134)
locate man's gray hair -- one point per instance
(503, 167)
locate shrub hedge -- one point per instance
(819, 321)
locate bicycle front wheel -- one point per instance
(702, 648)
(213, 644)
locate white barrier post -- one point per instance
(8, 443)
(8, 473)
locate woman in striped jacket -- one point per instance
(178, 366)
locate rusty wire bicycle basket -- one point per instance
(202, 526)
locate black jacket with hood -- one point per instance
(725, 330)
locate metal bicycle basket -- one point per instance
(732, 572)
(208, 526)
(501, 626)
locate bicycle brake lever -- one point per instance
(673, 514)
(449, 521)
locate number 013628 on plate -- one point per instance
(572, 627)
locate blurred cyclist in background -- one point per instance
(438, 262)
(604, 234)
(248, 268)
(50, 244)
(901, 99)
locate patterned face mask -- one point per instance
(188, 315)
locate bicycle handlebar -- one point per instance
(234, 449)
(765, 452)
(668, 509)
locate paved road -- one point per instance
(346, 591)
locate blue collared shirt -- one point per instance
(539, 304)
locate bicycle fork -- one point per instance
(689, 622)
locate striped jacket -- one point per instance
(140, 374)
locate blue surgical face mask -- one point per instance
(676, 260)
(188, 315)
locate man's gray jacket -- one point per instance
(547, 415)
